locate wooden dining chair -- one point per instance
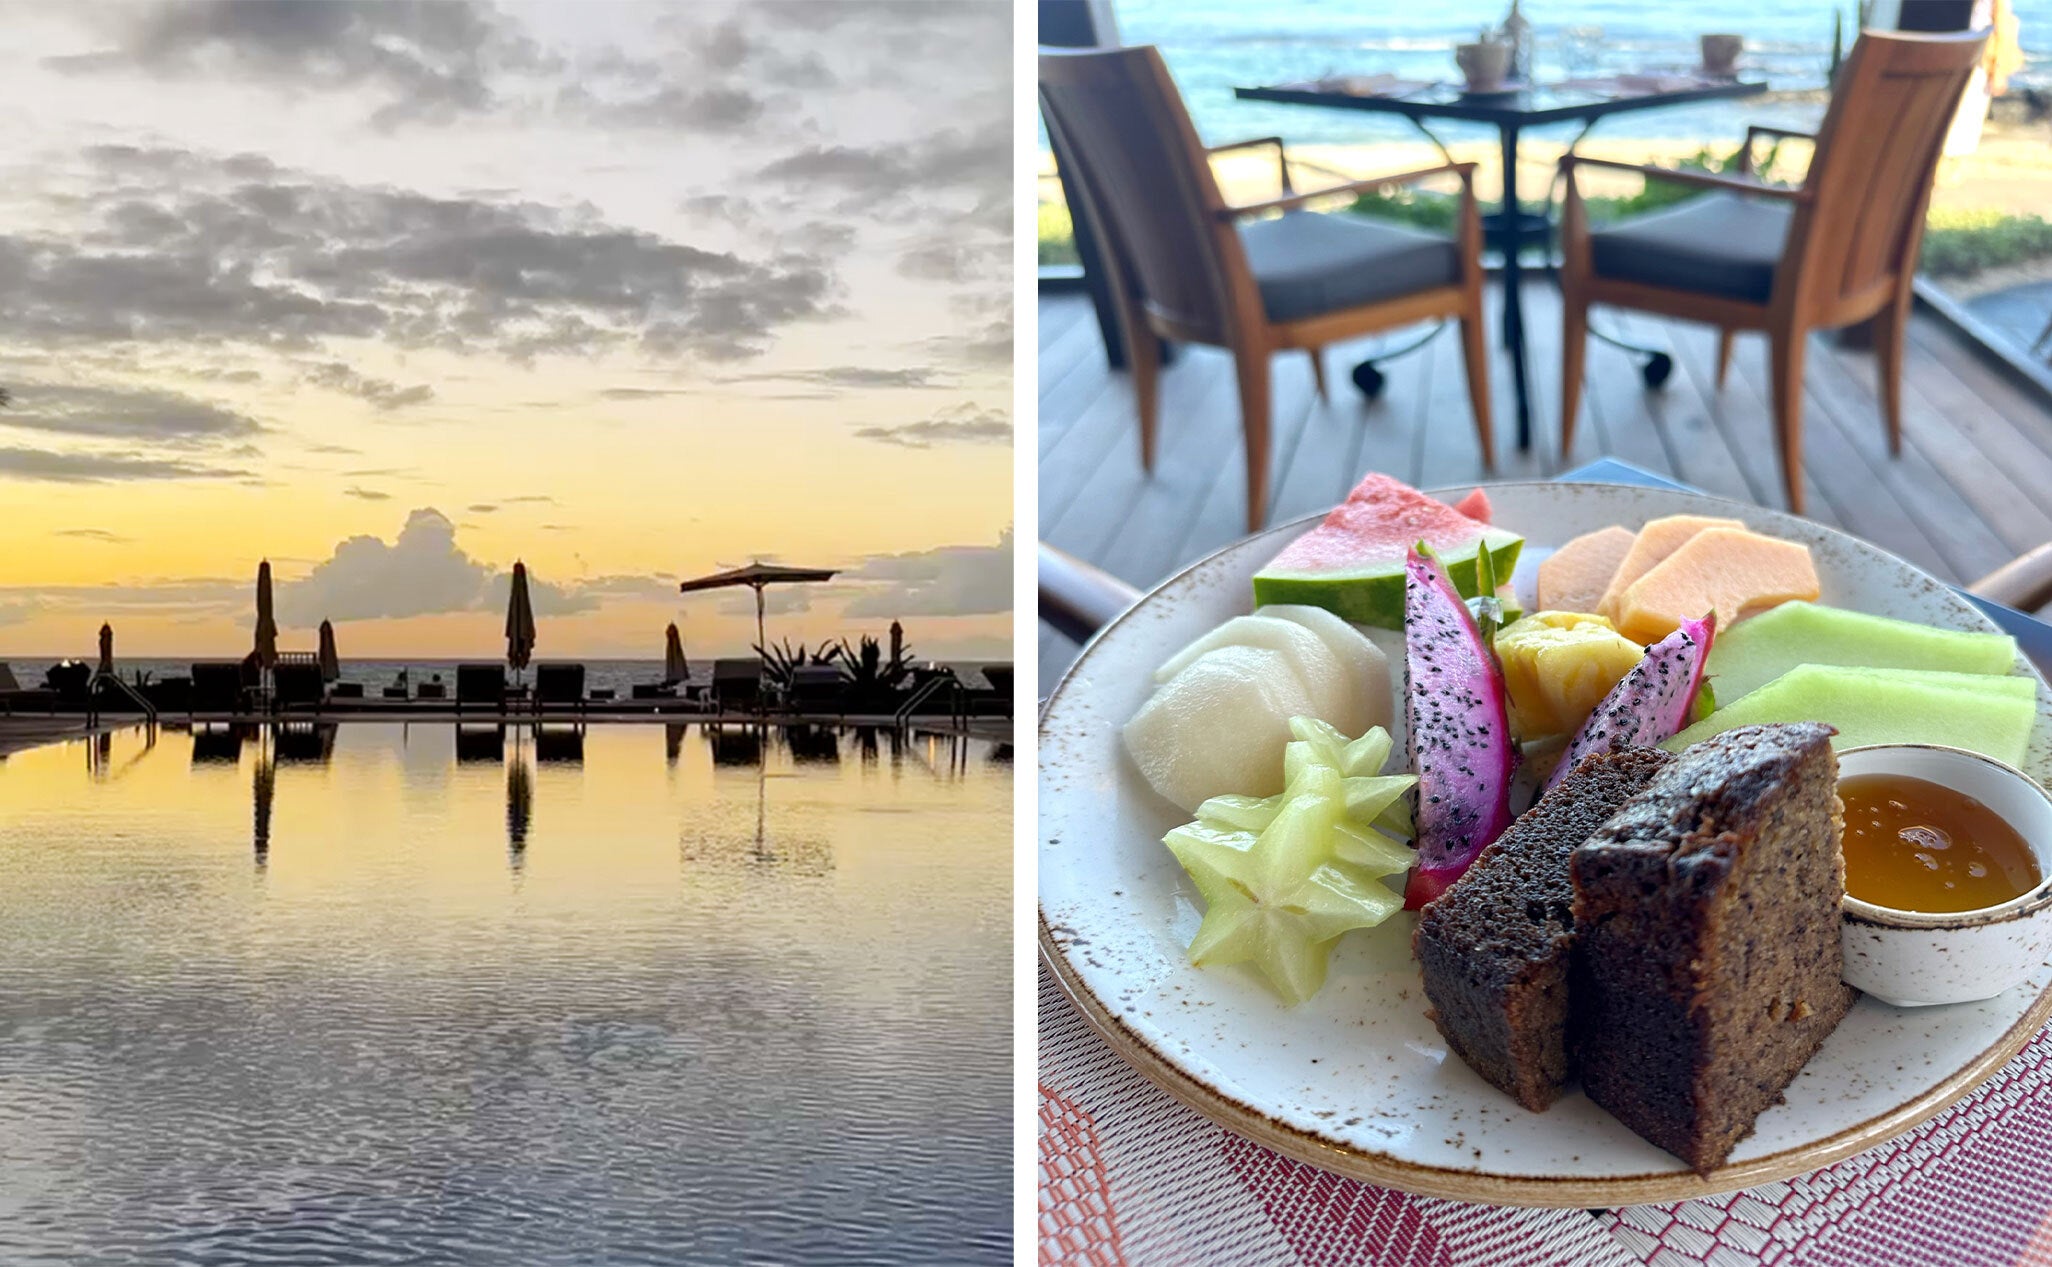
(1191, 267)
(1837, 250)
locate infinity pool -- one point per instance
(378, 993)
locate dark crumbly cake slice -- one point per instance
(1706, 965)
(1494, 946)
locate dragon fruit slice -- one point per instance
(1649, 704)
(1459, 723)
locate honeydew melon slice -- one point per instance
(1333, 688)
(1979, 712)
(1761, 648)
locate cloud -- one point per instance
(481, 508)
(171, 246)
(424, 60)
(877, 179)
(959, 580)
(367, 494)
(99, 468)
(383, 393)
(529, 498)
(334, 448)
(642, 393)
(777, 600)
(123, 413)
(857, 377)
(93, 534)
(420, 572)
(961, 424)
(940, 260)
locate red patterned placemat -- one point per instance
(1130, 1176)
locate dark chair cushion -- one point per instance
(1307, 264)
(1718, 244)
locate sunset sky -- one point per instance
(394, 294)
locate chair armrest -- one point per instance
(1466, 171)
(2024, 582)
(1282, 156)
(1077, 598)
(1698, 180)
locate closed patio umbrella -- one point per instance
(107, 649)
(266, 623)
(675, 667)
(756, 576)
(519, 621)
(331, 663)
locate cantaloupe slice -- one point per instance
(1656, 540)
(1575, 577)
(1981, 713)
(1728, 571)
(1761, 648)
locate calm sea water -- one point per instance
(377, 996)
(1214, 45)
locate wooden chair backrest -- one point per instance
(1870, 180)
(1121, 121)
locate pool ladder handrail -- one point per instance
(958, 703)
(92, 713)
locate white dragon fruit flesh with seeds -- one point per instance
(1651, 703)
(1458, 719)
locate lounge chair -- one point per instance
(559, 685)
(296, 684)
(480, 685)
(433, 690)
(217, 687)
(346, 690)
(737, 686)
(996, 701)
(14, 695)
(817, 690)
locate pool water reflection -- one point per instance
(376, 993)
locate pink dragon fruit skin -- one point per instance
(1458, 723)
(1649, 704)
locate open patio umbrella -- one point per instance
(756, 576)
(519, 621)
(107, 649)
(675, 667)
(331, 663)
(266, 623)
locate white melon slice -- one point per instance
(1220, 725)
(1366, 667)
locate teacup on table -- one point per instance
(1721, 53)
(1484, 64)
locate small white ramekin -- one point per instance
(1916, 958)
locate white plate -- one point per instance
(1357, 1080)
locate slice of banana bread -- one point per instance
(1494, 946)
(1706, 963)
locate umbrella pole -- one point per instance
(761, 639)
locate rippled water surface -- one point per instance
(390, 994)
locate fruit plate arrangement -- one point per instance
(1357, 1079)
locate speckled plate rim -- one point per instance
(1562, 1192)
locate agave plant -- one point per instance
(869, 672)
(781, 661)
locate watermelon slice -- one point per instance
(1352, 564)
(1476, 507)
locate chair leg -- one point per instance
(1251, 366)
(1725, 336)
(1143, 359)
(1574, 347)
(1475, 351)
(1890, 330)
(1318, 370)
(1789, 349)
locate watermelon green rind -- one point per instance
(1373, 593)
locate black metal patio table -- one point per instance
(1512, 227)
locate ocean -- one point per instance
(1213, 46)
